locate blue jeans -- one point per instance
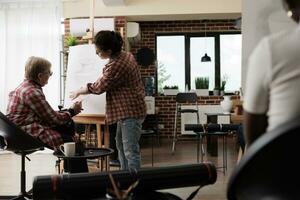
(241, 139)
(127, 141)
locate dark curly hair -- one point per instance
(292, 3)
(109, 40)
(294, 7)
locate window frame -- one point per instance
(187, 37)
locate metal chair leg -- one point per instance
(175, 132)
(152, 156)
(198, 146)
(202, 148)
(224, 153)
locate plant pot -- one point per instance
(170, 92)
(216, 92)
(202, 92)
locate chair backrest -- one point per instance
(186, 97)
(17, 140)
(269, 168)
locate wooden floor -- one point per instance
(44, 163)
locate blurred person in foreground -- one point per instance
(273, 80)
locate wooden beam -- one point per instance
(90, 33)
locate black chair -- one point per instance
(186, 98)
(150, 129)
(269, 169)
(151, 133)
(21, 143)
(220, 130)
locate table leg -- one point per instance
(106, 136)
(99, 136)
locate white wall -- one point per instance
(81, 8)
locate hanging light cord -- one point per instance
(205, 36)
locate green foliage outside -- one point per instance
(162, 76)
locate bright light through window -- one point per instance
(231, 46)
(200, 46)
(223, 49)
(171, 62)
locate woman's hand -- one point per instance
(76, 93)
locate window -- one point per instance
(198, 47)
(230, 57)
(179, 59)
(171, 61)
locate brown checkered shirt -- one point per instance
(122, 82)
(29, 109)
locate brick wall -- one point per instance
(166, 104)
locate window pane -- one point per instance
(171, 62)
(231, 49)
(200, 46)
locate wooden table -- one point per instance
(98, 120)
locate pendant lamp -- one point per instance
(205, 58)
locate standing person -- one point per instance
(29, 109)
(272, 95)
(125, 104)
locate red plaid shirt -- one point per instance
(122, 82)
(29, 109)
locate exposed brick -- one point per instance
(166, 104)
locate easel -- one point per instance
(90, 33)
(97, 119)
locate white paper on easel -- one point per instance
(84, 66)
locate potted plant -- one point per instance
(223, 84)
(216, 91)
(170, 90)
(202, 84)
(71, 40)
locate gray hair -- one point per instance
(34, 66)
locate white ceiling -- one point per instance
(183, 17)
(153, 10)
